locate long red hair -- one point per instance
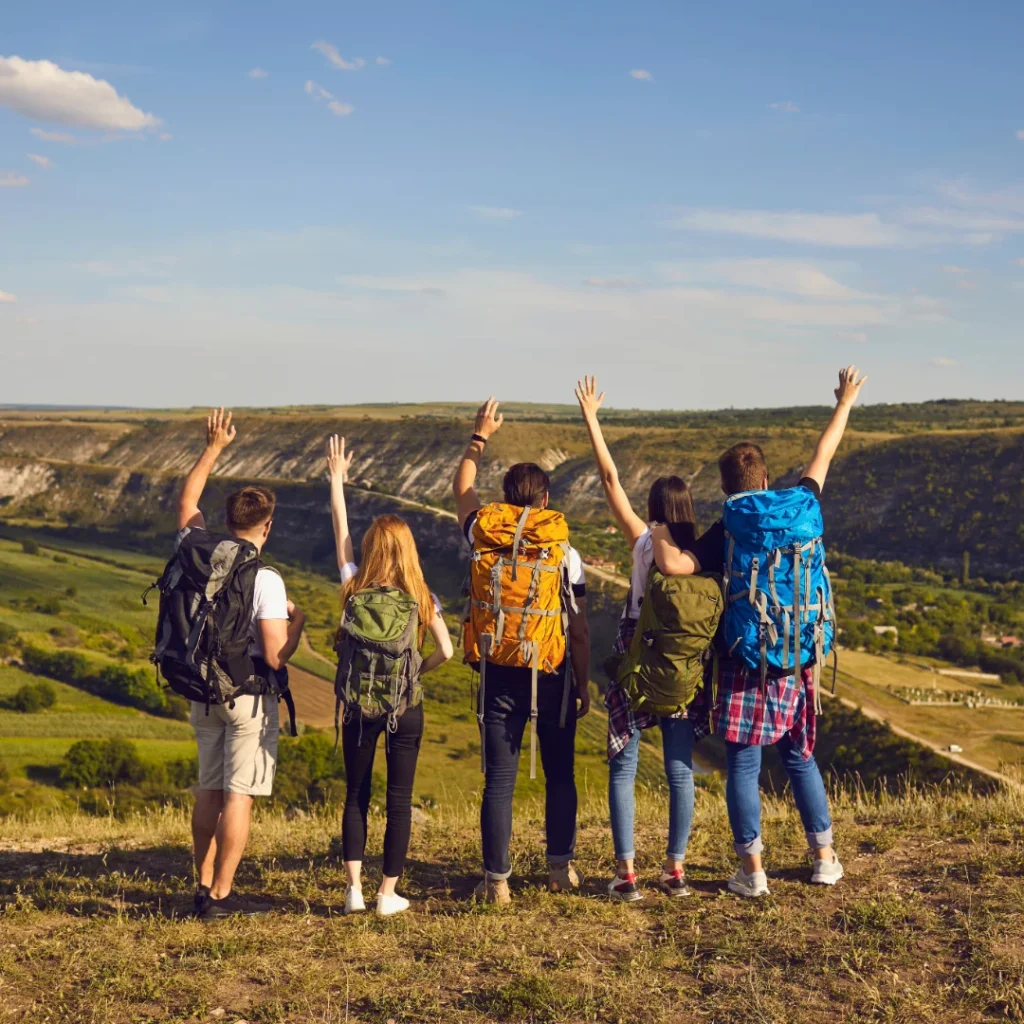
(390, 559)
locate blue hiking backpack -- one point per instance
(780, 614)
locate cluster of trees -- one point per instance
(32, 697)
(135, 688)
(933, 618)
(115, 764)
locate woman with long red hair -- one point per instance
(390, 566)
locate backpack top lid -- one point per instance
(207, 559)
(766, 520)
(496, 525)
(379, 614)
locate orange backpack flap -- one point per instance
(515, 595)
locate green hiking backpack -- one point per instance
(664, 666)
(378, 655)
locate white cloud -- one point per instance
(25, 320)
(43, 161)
(496, 212)
(855, 337)
(642, 75)
(1020, 261)
(8, 297)
(166, 136)
(42, 91)
(335, 59)
(943, 363)
(789, 277)
(65, 138)
(1020, 135)
(950, 268)
(611, 282)
(384, 62)
(784, 107)
(853, 230)
(8, 179)
(965, 284)
(336, 107)
(257, 73)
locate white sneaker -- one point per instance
(827, 872)
(391, 903)
(354, 900)
(753, 885)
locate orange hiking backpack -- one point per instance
(519, 597)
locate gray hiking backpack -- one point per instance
(378, 655)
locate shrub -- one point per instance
(5, 772)
(8, 640)
(29, 546)
(93, 763)
(33, 697)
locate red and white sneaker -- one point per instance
(673, 883)
(624, 889)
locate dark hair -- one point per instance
(249, 507)
(526, 484)
(743, 468)
(669, 501)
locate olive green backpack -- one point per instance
(664, 666)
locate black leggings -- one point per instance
(402, 751)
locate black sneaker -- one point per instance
(674, 884)
(230, 906)
(199, 899)
(624, 889)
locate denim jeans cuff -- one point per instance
(497, 876)
(820, 840)
(628, 855)
(561, 860)
(749, 849)
(675, 856)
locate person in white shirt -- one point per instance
(668, 502)
(237, 744)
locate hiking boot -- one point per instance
(493, 891)
(673, 883)
(624, 888)
(353, 900)
(827, 872)
(202, 891)
(753, 885)
(390, 903)
(230, 906)
(562, 877)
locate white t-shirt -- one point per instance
(349, 569)
(270, 601)
(643, 561)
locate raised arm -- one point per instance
(850, 383)
(590, 401)
(443, 649)
(467, 501)
(338, 464)
(219, 434)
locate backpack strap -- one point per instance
(533, 709)
(517, 540)
(485, 646)
(797, 617)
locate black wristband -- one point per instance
(480, 438)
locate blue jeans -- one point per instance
(743, 798)
(677, 743)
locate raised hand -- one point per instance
(337, 460)
(851, 380)
(488, 419)
(586, 394)
(219, 430)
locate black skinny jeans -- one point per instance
(402, 749)
(506, 721)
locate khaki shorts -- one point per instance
(237, 746)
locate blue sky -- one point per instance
(706, 205)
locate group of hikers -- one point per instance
(723, 631)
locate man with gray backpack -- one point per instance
(225, 632)
(779, 626)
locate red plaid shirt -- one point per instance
(742, 713)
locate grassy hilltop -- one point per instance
(926, 927)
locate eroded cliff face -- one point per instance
(921, 499)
